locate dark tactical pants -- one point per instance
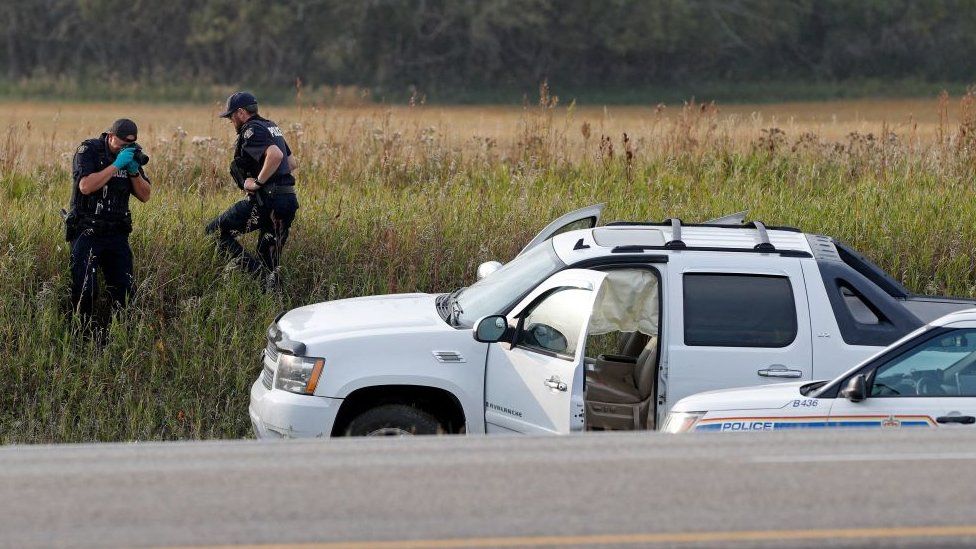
(273, 220)
(110, 253)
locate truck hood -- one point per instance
(373, 314)
(760, 397)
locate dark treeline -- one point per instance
(442, 45)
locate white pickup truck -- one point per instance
(694, 308)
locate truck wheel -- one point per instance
(394, 420)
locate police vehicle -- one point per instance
(927, 379)
(587, 328)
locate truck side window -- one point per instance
(858, 306)
(554, 324)
(729, 310)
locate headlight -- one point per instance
(681, 422)
(298, 374)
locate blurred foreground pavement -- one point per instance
(790, 489)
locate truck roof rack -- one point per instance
(675, 243)
(667, 223)
(764, 244)
(638, 248)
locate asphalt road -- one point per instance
(847, 489)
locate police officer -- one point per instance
(262, 167)
(105, 173)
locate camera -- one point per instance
(140, 157)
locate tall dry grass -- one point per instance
(412, 199)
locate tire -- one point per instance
(394, 420)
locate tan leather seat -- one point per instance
(629, 346)
(619, 390)
(632, 343)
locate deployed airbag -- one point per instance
(627, 302)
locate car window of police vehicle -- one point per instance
(555, 323)
(942, 366)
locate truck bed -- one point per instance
(929, 308)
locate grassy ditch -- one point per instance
(390, 205)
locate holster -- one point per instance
(72, 228)
(237, 174)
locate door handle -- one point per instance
(780, 371)
(555, 383)
(965, 420)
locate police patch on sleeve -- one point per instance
(248, 133)
(82, 149)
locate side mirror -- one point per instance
(491, 329)
(856, 389)
(487, 268)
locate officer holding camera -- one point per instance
(105, 170)
(262, 167)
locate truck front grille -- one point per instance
(271, 351)
(267, 377)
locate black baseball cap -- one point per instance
(124, 129)
(238, 100)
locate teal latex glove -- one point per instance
(123, 159)
(133, 168)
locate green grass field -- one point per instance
(394, 203)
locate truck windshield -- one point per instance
(492, 294)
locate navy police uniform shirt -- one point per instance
(254, 138)
(92, 156)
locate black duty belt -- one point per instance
(280, 189)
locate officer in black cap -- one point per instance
(105, 171)
(262, 167)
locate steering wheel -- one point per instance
(929, 386)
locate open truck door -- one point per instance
(534, 373)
